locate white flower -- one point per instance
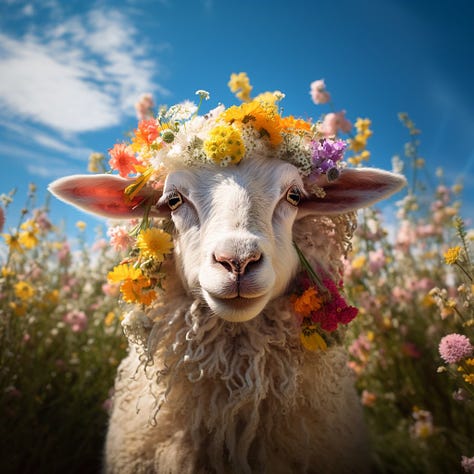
(204, 95)
(182, 111)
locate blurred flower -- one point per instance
(468, 464)
(333, 123)
(239, 84)
(13, 241)
(368, 399)
(81, 225)
(96, 163)
(144, 106)
(423, 426)
(318, 92)
(77, 320)
(455, 347)
(452, 255)
(2, 218)
(24, 290)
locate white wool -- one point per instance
(201, 394)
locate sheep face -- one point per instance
(234, 233)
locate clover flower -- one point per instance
(455, 347)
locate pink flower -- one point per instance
(111, 289)
(318, 92)
(64, 252)
(123, 159)
(2, 219)
(77, 320)
(455, 347)
(368, 398)
(468, 464)
(120, 239)
(335, 122)
(376, 260)
(144, 106)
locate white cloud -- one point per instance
(79, 75)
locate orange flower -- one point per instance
(293, 125)
(146, 133)
(123, 159)
(308, 302)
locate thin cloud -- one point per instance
(76, 76)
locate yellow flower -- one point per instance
(13, 241)
(263, 120)
(306, 303)
(224, 145)
(359, 262)
(452, 255)
(7, 272)
(133, 291)
(154, 243)
(18, 309)
(124, 272)
(109, 318)
(24, 291)
(28, 239)
(311, 339)
(469, 378)
(81, 225)
(240, 84)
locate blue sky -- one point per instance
(70, 73)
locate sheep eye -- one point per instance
(293, 196)
(175, 200)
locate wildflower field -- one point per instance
(411, 345)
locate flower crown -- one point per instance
(178, 136)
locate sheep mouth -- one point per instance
(236, 308)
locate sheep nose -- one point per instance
(237, 265)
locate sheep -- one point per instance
(217, 379)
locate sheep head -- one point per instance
(233, 240)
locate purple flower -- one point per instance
(455, 347)
(326, 153)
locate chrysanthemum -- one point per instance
(455, 347)
(154, 243)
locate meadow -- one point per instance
(411, 346)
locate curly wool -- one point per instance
(215, 396)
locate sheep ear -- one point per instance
(103, 194)
(355, 188)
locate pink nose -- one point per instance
(236, 265)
